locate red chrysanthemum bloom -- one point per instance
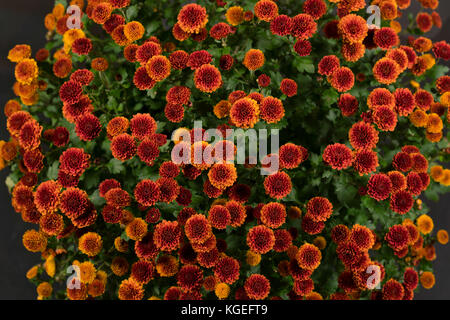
(227, 270)
(112, 214)
(142, 126)
(67, 180)
(199, 58)
(33, 160)
(70, 92)
(101, 12)
(219, 217)
(266, 10)
(197, 228)
(147, 192)
(192, 18)
(167, 235)
(179, 33)
(87, 127)
(168, 169)
(173, 293)
(281, 25)
(397, 237)
(123, 147)
(423, 99)
(226, 62)
(222, 175)
(443, 84)
(288, 87)
(411, 54)
(46, 196)
(260, 239)
(22, 197)
(158, 67)
(263, 80)
(398, 181)
(62, 67)
(239, 192)
(392, 290)
(273, 215)
(414, 183)
(331, 29)
(178, 95)
(402, 161)
(30, 134)
(142, 271)
(340, 234)
(148, 151)
(208, 259)
(190, 277)
(348, 104)
(257, 287)
(220, 31)
(399, 56)
(174, 112)
(169, 189)
(328, 65)
(82, 46)
(303, 47)
(147, 50)
(386, 38)
(315, 8)
(342, 79)
(363, 136)
(365, 161)
(244, 113)
(82, 76)
(380, 97)
(308, 256)
(424, 21)
(385, 118)
(352, 51)
(404, 101)
(283, 240)
(441, 50)
(210, 190)
(311, 226)
(237, 212)
(353, 28)
(303, 287)
(73, 202)
(113, 22)
(278, 185)
(178, 59)
(303, 26)
(386, 71)
(271, 110)
(319, 209)
(291, 155)
(338, 156)
(410, 278)
(107, 185)
(379, 186)
(74, 161)
(117, 197)
(207, 78)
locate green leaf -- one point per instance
(115, 166)
(53, 170)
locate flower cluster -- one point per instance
(108, 165)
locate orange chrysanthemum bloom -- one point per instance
(130, 289)
(434, 123)
(222, 175)
(266, 10)
(158, 67)
(222, 109)
(136, 229)
(134, 31)
(34, 241)
(101, 12)
(116, 126)
(254, 59)
(62, 68)
(419, 118)
(99, 64)
(192, 18)
(425, 224)
(386, 71)
(19, 52)
(353, 28)
(207, 78)
(26, 71)
(235, 15)
(90, 244)
(427, 280)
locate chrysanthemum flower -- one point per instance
(227, 270)
(192, 18)
(82, 76)
(401, 202)
(235, 15)
(237, 212)
(441, 50)
(147, 192)
(404, 101)
(260, 239)
(257, 287)
(51, 224)
(308, 256)
(288, 87)
(130, 289)
(386, 71)
(273, 214)
(207, 78)
(342, 79)
(34, 241)
(101, 12)
(379, 186)
(278, 185)
(340, 233)
(158, 67)
(427, 279)
(167, 235)
(319, 209)
(266, 10)
(117, 197)
(303, 26)
(353, 51)
(353, 28)
(197, 228)
(46, 197)
(134, 30)
(281, 25)
(263, 80)
(365, 161)
(219, 217)
(398, 181)
(123, 147)
(70, 92)
(363, 136)
(380, 97)
(315, 8)
(254, 59)
(392, 290)
(425, 224)
(87, 127)
(291, 155)
(386, 38)
(338, 156)
(90, 244)
(271, 110)
(19, 53)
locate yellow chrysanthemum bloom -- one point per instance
(446, 178)
(120, 245)
(425, 224)
(134, 31)
(32, 273)
(222, 290)
(50, 266)
(320, 242)
(90, 243)
(427, 280)
(235, 15)
(252, 258)
(445, 99)
(19, 52)
(87, 272)
(58, 11)
(102, 276)
(222, 109)
(430, 61)
(71, 35)
(396, 26)
(167, 265)
(442, 236)
(414, 84)
(419, 118)
(437, 173)
(434, 123)
(44, 289)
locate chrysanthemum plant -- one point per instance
(103, 149)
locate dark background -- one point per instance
(22, 22)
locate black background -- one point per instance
(22, 22)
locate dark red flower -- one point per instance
(379, 186)
(338, 156)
